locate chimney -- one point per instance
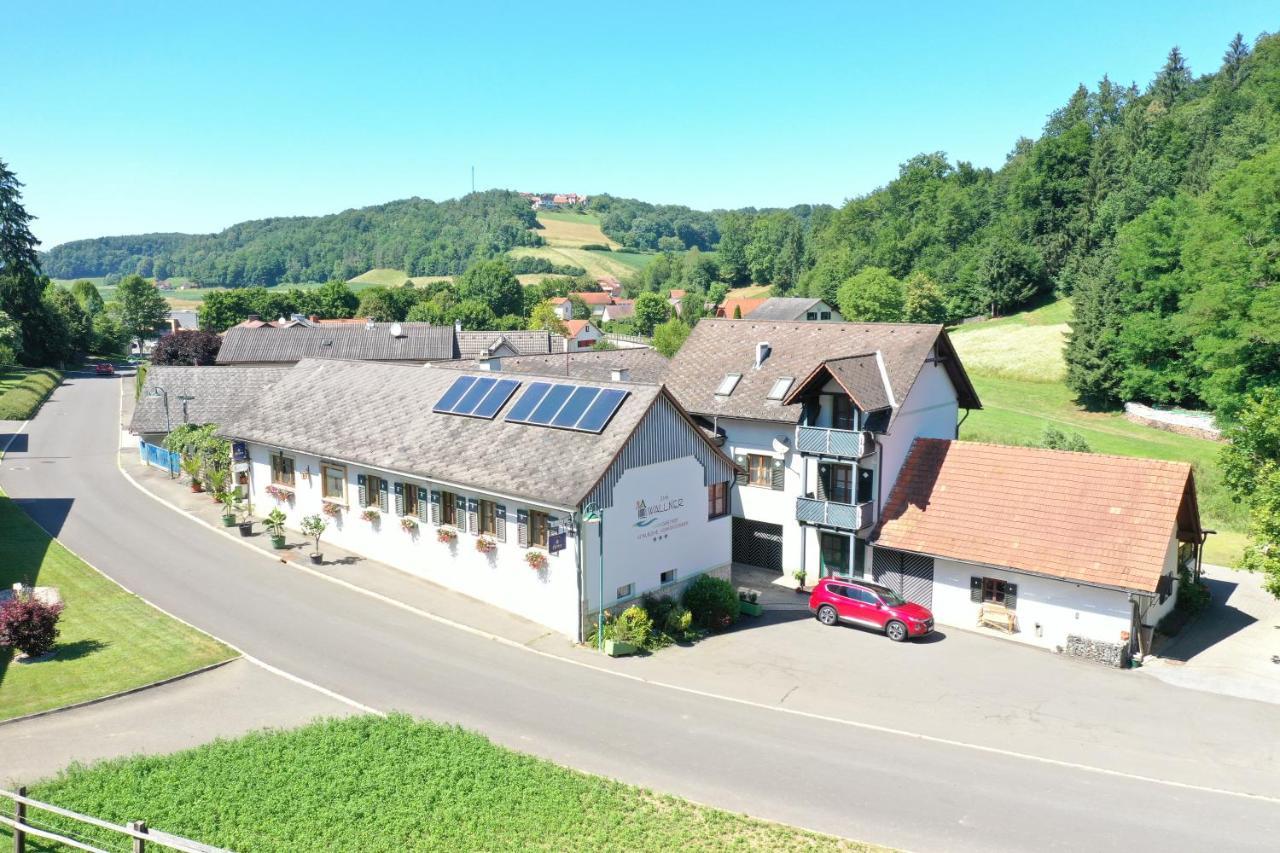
(620, 374)
(762, 352)
(315, 318)
(457, 325)
(490, 363)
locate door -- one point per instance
(835, 555)
(909, 575)
(756, 543)
(836, 481)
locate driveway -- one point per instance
(1233, 648)
(1177, 785)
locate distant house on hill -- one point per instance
(742, 307)
(785, 308)
(621, 309)
(582, 335)
(609, 285)
(595, 301)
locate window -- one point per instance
(488, 517)
(812, 315)
(626, 591)
(410, 499)
(333, 482)
(825, 315)
(372, 491)
(281, 469)
(993, 590)
(759, 471)
(841, 412)
(837, 482)
(669, 576)
(780, 387)
(717, 500)
(726, 386)
(537, 528)
(449, 508)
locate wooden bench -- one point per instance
(997, 616)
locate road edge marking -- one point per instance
(693, 691)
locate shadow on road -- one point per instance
(1213, 626)
(49, 513)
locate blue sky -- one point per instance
(131, 117)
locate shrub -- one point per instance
(1193, 596)
(712, 601)
(274, 522)
(634, 626)
(678, 623)
(594, 247)
(22, 400)
(29, 624)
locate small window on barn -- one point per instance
(780, 387)
(726, 386)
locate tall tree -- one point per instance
(925, 301)
(1173, 80)
(89, 297)
(1233, 60)
(21, 284)
(1094, 368)
(140, 307)
(492, 283)
(872, 296)
(1251, 467)
(651, 310)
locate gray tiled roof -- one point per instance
(379, 415)
(784, 308)
(716, 347)
(417, 342)
(644, 365)
(860, 375)
(523, 341)
(217, 393)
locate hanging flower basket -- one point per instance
(446, 535)
(331, 509)
(371, 515)
(485, 545)
(536, 560)
(408, 525)
(279, 493)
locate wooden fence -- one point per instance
(23, 825)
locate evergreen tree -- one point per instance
(1233, 60)
(1173, 80)
(1094, 368)
(21, 284)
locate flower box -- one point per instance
(618, 649)
(408, 525)
(371, 515)
(486, 545)
(279, 493)
(536, 560)
(331, 509)
(750, 608)
(446, 535)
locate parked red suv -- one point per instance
(105, 367)
(870, 605)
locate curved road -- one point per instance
(879, 787)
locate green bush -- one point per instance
(21, 400)
(595, 247)
(1193, 596)
(712, 601)
(633, 626)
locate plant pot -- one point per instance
(277, 541)
(751, 608)
(196, 488)
(617, 648)
(229, 520)
(317, 559)
(246, 528)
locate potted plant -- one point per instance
(229, 504)
(274, 522)
(216, 479)
(801, 576)
(628, 633)
(371, 515)
(331, 509)
(749, 602)
(313, 526)
(191, 467)
(409, 524)
(446, 535)
(537, 560)
(485, 545)
(246, 519)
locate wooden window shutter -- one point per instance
(473, 520)
(435, 507)
(975, 590)
(740, 476)
(362, 493)
(384, 495)
(500, 522)
(425, 506)
(400, 487)
(522, 528)
(779, 472)
(1011, 595)
(460, 511)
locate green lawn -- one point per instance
(569, 216)
(110, 641)
(23, 390)
(366, 783)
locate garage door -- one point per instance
(909, 575)
(757, 543)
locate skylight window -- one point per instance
(726, 386)
(780, 387)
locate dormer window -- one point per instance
(780, 387)
(726, 386)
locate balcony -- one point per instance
(821, 441)
(834, 514)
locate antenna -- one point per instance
(473, 178)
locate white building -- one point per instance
(1075, 552)
(581, 335)
(507, 462)
(819, 418)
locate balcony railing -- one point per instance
(833, 513)
(847, 443)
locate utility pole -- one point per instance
(473, 178)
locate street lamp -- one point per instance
(184, 398)
(592, 514)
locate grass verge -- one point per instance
(23, 390)
(110, 639)
(367, 783)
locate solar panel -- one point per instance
(531, 397)
(551, 404)
(601, 410)
(496, 398)
(455, 392)
(575, 406)
(474, 395)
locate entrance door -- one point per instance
(835, 554)
(836, 482)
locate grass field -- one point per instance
(366, 783)
(110, 641)
(23, 390)
(1017, 366)
(595, 263)
(385, 277)
(572, 231)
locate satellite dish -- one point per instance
(781, 443)
(395, 330)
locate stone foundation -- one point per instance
(1110, 654)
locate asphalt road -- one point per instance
(869, 785)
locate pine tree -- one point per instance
(1094, 369)
(1173, 80)
(1233, 60)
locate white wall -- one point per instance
(549, 597)
(1153, 612)
(760, 502)
(1060, 607)
(929, 411)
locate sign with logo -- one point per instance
(239, 451)
(555, 543)
(659, 517)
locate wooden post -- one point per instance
(20, 817)
(139, 845)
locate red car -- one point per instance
(835, 600)
(104, 367)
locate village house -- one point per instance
(621, 309)
(404, 342)
(737, 308)
(795, 308)
(642, 364)
(562, 307)
(497, 486)
(580, 335)
(595, 301)
(173, 395)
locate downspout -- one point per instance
(582, 589)
(961, 423)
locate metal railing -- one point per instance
(848, 443)
(23, 826)
(833, 513)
